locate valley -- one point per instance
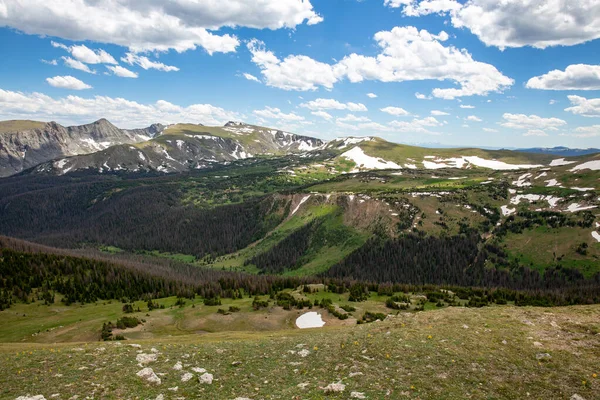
(212, 242)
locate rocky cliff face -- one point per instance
(37, 143)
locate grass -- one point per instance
(540, 247)
(453, 353)
(20, 125)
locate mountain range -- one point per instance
(41, 147)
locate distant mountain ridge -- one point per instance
(25, 144)
(560, 151)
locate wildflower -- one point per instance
(412, 387)
(342, 345)
(584, 383)
(594, 375)
(429, 337)
(387, 356)
(315, 348)
(355, 343)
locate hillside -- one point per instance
(184, 147)
(25, 144)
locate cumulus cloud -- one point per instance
(322, 114)
(406, 54)
(474, 118)
(371, 95)
(490, 130)
(397, 111)
(416, 125)
(466, 106)
(86, 55)
(67, 82)
(332, 104)
(276, 113)
(585, 132)
(439, 113)
(353, 118)
(515, 23)
(574, 77)
(146, 63)
(124, 113)
(531, 122)
(121, 71)
(582, 106)
(537, 23)
(414, 8)
(421, 96)
(75, 64)
(250, 77)
(292, 73)
(49, 62)
(149, 25)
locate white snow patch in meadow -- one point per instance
(579, 189)
(310, 320)
(299, 204)
(457, 178)
(541, 175)
(596, 236)
(459, 162)
(560, 161)
(592, 165)
(553, 201)
(353, 140)
(507, 211)
(552, 183)
(410, 166)
(576, 207)
(367, 162)
(306, 146)
(512, 191)
(522, 181)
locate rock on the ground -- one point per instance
(186, 377)
(160, 397)
(334, 388)
(198, 370)
(303, 353)
(577, 397)
(178, 366)
(206, 378)
(149, 375)
(28, 397)
(143, 358)
(543, 356)
(357, 395)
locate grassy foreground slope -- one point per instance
(456, 353)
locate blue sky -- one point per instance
(518, 73)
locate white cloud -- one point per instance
(250, 77)
(72, 63)
(531, 122)
(124, 113)
(49, 62)
(585, 132)
(332, 104)
(439, 113)
(353, 118)
(122, 71)
(574, 77)
(406, 54)
(490, 130)
(466, 106)
(552, 102)
(146, 63)
(86, 55)
(474, 118)
(67, 82)
(416, 125)
(371, 95)
(397, 111)
(582, 106)
(276, 113)
(148, 25)
(537, 23)
(535, 132)
(294, 72)
(412, 8)
(322, 114)
(421, 96)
